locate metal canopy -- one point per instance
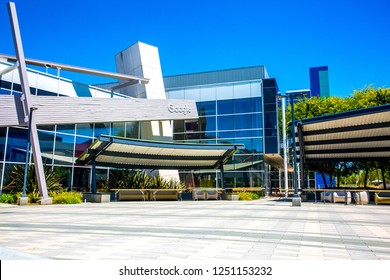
(350, 136)
(133, 153)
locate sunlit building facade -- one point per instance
(234, 106)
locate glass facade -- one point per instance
(240, 111)
(60, 145)
(234, 107)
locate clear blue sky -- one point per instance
(288, 37)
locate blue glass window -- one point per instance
(84, 129)
(242, 105)
(225, 107)
(257, 133)
(102, 128)
(46, 141)
(64, 146)
(132, 130)
(242, 133)
(3, 134)
(16, 145)
(256, 104)
(209, 125)
(257, 120)
(66, 128)
(206, 108)
(82, 143)
(118, 129)
(243, 121)
(225, 122)
(257, 145)
(225, 134)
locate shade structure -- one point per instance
(359, 135)
(121, 152)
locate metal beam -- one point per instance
(77, 69)
(125, 85)
(9, 69)
(36, 150)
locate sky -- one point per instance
(352, 38)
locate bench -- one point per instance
(164, 194)
(132, 194)
(340, 197)
(382, 198)
(326, 196)
(361, 197)
(205, 194)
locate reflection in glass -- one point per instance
(84, 129)
(82, 145)
(207, 93)
(81, 179)
(257, 145)
(256, 89)
(242, 90)
(243, 121)
(225, 107)
(1, 171)
(242, 133)
(132, 130)
(242, 105)
(257, 120)
(3, 134)
(225, 122)
(208, 107)
(225, 92)
(256, 104)
(102, 129)
(178, 126)
(66, 128)
(175, 94)
(118, 129)
(46, 141)
(16, 146)
(192, 94)
(64, 145)
(46, 127)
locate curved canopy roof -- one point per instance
(357, 135)
(134, 153)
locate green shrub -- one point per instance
(248, 196)
(8, 198)
(33, 197)
(67, 198)
(15, 179)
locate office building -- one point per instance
(319, 81)
(233, 106)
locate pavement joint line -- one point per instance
(263, 229)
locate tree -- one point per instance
(315, 106)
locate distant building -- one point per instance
(319, 81)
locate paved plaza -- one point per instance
(197, 230)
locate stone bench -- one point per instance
(382, 198)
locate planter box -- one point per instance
(96, 197)
(229, 196)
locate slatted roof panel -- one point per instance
(133, 153)
(355, 135)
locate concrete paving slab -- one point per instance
(197, 230)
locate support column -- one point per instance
(301, 155)
(36, 150)
(222, 177)
(93, 183)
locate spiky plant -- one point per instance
(15, 179)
